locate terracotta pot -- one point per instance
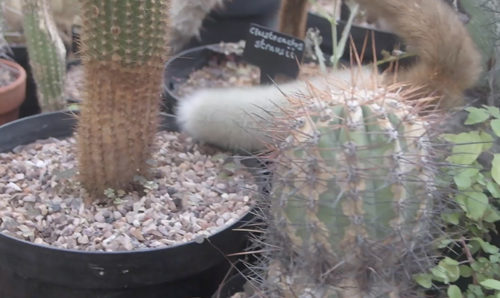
(13, 94)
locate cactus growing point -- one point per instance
(123, 49)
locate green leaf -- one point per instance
(481, 179)
(468, 146)
(425, 280)
(495, 258)
(465, 271)
(495, 125)
(491, 215)
(452, 218)
(487, 139)
(495, 168)
(476, 290)
(454, 292)
(475, 204)
(446, 271)
(494, 111)
(493, 188)
(464, 178)
(476, 115)
(444, 243)
(486, 247)
(490, 284)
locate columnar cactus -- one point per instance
(47, 54)
(123, 49)
(352, 195)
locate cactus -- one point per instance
(47, 54)
(352, 198)
(4, 46)
(123, 48)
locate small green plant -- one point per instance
(472, 267)
(338, 46)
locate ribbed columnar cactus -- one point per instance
(352, 195)
(3, 43)
(47, 54)
(123, 48)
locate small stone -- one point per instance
(39, 241)
(13, 187)
(99, 217)
(18, 177)
(29, 198)
(219, 222)
(43, 209)
(117, 215)
(83, 239)
(54, 207)
(137, 234)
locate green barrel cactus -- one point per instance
(47, 54)
(352, 198)
(123, 50)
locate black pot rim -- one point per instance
(218, 231)
(168, 93)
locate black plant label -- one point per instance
(274, 52)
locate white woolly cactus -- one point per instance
(352, 196)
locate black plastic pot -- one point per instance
(179, 68)
(230, 24)
(381, 40)
(29, 270)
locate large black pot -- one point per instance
(179, 68)
(29, 270)
(230, 24)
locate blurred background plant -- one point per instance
(47, 53)
(483, 21)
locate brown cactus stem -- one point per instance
(123, 53)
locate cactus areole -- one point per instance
(123, 49)
(351, 192)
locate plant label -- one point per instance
(274, 52)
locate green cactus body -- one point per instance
(123, 48)
(47, 54)
(352, 190)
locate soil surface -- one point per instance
(190, 195)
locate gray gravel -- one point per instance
(192, 195)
